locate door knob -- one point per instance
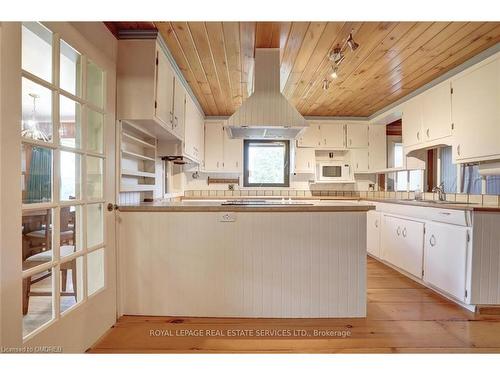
(112, 207)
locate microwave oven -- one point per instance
(331, 171)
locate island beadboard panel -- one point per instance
(275, 265)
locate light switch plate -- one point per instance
(227, 217)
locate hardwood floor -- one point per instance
(403, 317)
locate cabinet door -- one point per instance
(476, 112)
(357, 135)
(304, 160)
(403, 245)
(446, 258)
(360, 160)
(179, 108)
(190, 128)
(373, 233)
(332, 135)
(310, 137)
(377, 148)
(436, 112)
(233, 154)
(164, 89)
(412, 122)
(214, 149)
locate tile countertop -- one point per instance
(453, 206)
(213, 205)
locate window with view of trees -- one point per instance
(267, 163)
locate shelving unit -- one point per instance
(137, 160)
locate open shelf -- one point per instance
(136, 156)
(127, 172)
(131, 138)
(131, 188)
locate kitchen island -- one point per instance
(277, 260)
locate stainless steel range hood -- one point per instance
(266, 114)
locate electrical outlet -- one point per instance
(231, 187)
(227, 217)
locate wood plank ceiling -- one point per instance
(393, 59)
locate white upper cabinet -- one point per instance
(323, 135)
(476, 112)
(232, 154)
(222, 154)
(412, 121)
(311, 137)
(164, 99)
(332, 135)
(436, 112)
(304, 160)
(359, 159)
(357, 135)
(214, 146)
(179, 109)
(377, 148)
(194, 131)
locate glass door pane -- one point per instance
(37, 111)
(37, 50)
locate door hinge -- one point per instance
(423, 273)
(156, 60)
(451, 90)
(466, 293)
(156, 104)
(468, 236)
(452, 126)
(424, 230)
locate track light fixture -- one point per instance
(326, 84)
(334, 74)
(336, 55)
(351, 43)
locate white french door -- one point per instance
(58, 278)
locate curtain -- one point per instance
(448, 171)
(39, 181)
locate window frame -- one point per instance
(286, 167)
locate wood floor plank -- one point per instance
(402, 317)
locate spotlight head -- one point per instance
(326, 84)
(351, 43)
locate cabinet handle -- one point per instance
(171, 118)
(404, 232)
(458, 150)
(418, 136)
(217, 164)
(398, 231)
(357, 166)
(325, 141)
(432, 241)
(427, 133)
(376, 223)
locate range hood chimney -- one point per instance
(266, 114)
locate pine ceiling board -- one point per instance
(167, 31)
(292, 47)
(267, 35)
(482, 38)
(216, 39)
(284, 32)
(185, 39)
(247, 46)
(307, 47)
(326, 42)
(391, 70)
(370, 36)
(357, 78)
(416, 69)
(309, 77)
(232, 43)
(203, 49)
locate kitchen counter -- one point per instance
(278, 205)
(433, 204)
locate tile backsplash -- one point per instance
(488, 200)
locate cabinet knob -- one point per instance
(428, 133)
(432, 241)
(376, 223)
(458, 150)
(398, 231)
(404, 232)
(418, 135)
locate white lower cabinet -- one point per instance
(445, 254)
(403, 244)
(373, 224)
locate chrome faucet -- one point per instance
(440, 190)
